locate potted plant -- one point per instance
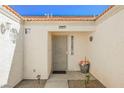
(84, 66)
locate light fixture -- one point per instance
(27, 30)
(91, 38)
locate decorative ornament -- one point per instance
(13, 35)
(8, 26)
(3, 29)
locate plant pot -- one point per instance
(84, 68)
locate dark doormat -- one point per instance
(59, 72)
(81, 84)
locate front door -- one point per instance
(59, 47)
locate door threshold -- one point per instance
(59, 72)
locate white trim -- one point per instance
(10, 15)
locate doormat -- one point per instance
(59, 72)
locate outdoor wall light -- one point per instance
(91, 38)
(27, 30)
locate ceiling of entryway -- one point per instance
(59, 10)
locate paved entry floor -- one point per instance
(56, 84)
(61, 80)
(68, 80)
(81, 84)
(26, 83)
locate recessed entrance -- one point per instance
(59, 55)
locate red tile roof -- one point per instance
(105, 12)
(12, 11)
(57, 18)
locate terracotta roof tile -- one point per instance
(12, 11)
(57, 18)
(105, 12)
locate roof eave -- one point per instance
(57, 18)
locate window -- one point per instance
(72, 45)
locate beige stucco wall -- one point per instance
(49, 53)
(8, 51)
(80, 48)
(107, 51)
(17, 66)
(37, 52)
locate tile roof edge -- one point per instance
(71, 18)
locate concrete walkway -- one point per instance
(61, 80)
(70, 79)
(56, 84)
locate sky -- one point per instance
(59, 10)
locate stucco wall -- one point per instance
(17, 66)
(80, 48)
(49, 53)
(36, 48)
(107, 51)
(35, 53)
(7, 49)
